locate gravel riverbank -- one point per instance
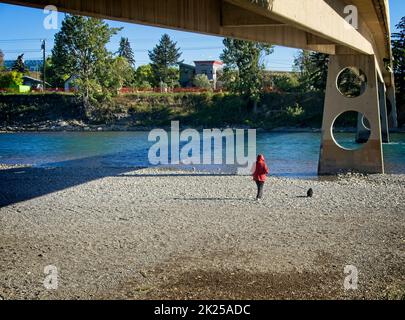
(147, 234)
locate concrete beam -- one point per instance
(325, 19)
(192, 15)
(313, 16)
(234, 16)
(279, 35)
(188, 15)
(312, 39)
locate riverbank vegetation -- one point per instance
(134, 111)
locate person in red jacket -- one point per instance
(260, 175)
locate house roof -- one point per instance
(188, 66)
(39, 81)
(209, 62)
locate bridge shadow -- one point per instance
(23, 184)
(215, 199)
(168, 175)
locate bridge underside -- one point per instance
(317, 25)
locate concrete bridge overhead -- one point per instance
(318, 25)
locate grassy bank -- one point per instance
(151, 109)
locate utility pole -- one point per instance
(43, 47)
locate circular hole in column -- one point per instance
(351, 82)
(364, 121)
(351, 130)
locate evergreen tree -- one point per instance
(398, 50)
(19, 65)
(319, 75)
(351, 82)
(312, 68)
(244, 67)
(50, 74)
(125, 51)
(80, 51)
(165, 57)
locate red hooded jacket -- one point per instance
(261, 170)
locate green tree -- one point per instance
(398, 50)
(165, 57)
(244, 67)
(351, 82)
(202, 81)
(1, 60)
(19, 65)
(302, 66)
(144, 73)
(144, 77)
(125, 51)
(50, 74)
(286, 82)
(80, 50)
(10, 79)
(319, 76)
(118, 73)
(312, 68)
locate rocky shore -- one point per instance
(151, 234)
(80, 126)
(69, 126)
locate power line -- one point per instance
(114, 42)
(21, 50)
(21, 40)
(138, 50)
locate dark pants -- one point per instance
(260, 187)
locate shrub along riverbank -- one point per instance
(146, 110)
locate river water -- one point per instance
(288, 154)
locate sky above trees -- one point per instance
(26, 34)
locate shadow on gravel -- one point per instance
(168, 175)
(214, 199)
(22, 184)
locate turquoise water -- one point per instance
(288, 154)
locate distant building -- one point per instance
(70, 84)
(35, 84)
(210, 68)
(187, 74)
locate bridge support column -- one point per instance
(385, 131)
(334, 158)
(363, 132)
(392, 114)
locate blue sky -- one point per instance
(24, 29)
